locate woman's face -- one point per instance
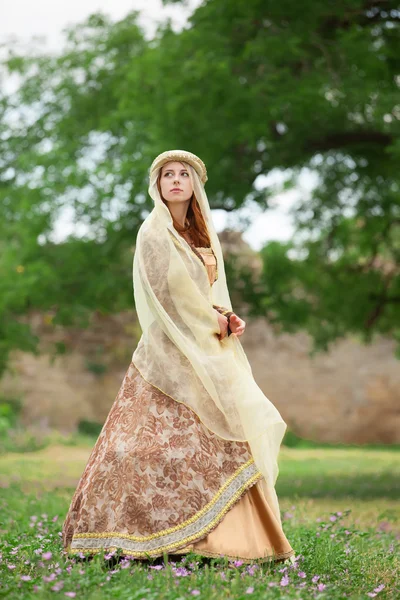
(175, 176)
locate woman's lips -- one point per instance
(176, 190)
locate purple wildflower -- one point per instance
(301, 574)
(195, 592)
(315, 578)
(58, 586)
(284, 581)
(47, 555)
(376, 591)
(321, 587)
(70, 594)
(249, 590)
(26, 577)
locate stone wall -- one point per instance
(351, 394)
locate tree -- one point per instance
(250, 86)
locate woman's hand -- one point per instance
(237, 325)
(223, 326)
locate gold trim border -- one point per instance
(185, 541)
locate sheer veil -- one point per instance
(179, 351)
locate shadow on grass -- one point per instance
(366, 486)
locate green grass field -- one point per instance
(340, 510)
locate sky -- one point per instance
(43, 21)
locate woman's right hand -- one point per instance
(223, 325)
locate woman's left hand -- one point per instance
(237, 325)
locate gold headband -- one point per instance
(181, 155)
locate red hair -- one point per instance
(197, 226)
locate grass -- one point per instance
(339, 507)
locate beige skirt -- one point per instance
(158, 481)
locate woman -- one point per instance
(187, 458)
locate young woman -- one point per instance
(187, 458)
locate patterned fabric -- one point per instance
(156, 479)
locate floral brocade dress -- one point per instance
(158, 481)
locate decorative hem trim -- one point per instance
(167, 540)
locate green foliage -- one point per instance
(344, 537)
(250, 86)
(89, 428)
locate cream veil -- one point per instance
(179, 351)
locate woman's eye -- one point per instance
(184, 173)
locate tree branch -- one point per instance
(348, 138)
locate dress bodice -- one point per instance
(210, 262)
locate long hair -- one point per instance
(195, 223)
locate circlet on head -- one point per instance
(180, 155)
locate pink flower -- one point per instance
(284, 581)
(195, 593)
(26, 577)
(238, 563)
(332, 518)
(156, 567)
(315, 578)
(301, 574)
(339, 513)
(272, 584)
(70, 594)
(57, 586)
(249, 590)
(47, 555)
(321, 587)
(11, 567)
(376, 591)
